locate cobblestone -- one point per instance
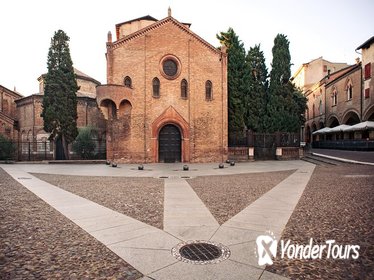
(37, 242)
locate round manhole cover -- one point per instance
(200, 252)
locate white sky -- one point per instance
(329, 28)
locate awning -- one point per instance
(322, 130)
(339, 128)
(368, 125)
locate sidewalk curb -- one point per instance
(343, 159)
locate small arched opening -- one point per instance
(109, 109)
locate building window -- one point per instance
(349, 89)
(184, 89)
(349, 92)
(334, 97)
(367, 71)
(170, 67)
(156, 87)
(367, 92)
(314, 111)
(208, 90)
(320, 107)
(128, 82)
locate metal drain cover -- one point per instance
(200, 252)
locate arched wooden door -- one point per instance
(169, 144)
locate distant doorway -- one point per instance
(59, 149)
(169, 144)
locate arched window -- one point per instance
(208, 90)
(349, 90)
(334, 97)
(156, 87)
(127, 81)
(184, 89)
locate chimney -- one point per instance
(109, 37)
(169, 12)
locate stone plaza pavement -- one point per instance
(148, 249)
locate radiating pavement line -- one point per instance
(269, 213)
(144, 247)
(185, 215)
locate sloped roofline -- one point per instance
(147, 17)
(12, 92)
(342, 72)
(307, 63)
(79, 75)
(156, 25)
(366, 44)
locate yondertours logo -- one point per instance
(266, 249)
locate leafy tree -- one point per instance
(237, 78)
(7, 148)
(255, 106)
(84, 145)
(60, 100)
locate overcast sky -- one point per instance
(329, 28)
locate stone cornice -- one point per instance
(10, 92)
(7, 118)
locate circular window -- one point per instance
(170, 67)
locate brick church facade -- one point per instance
(165, 98)
(166, 94)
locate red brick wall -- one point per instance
(140, 59)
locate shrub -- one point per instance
(7, 148)
(84, 145)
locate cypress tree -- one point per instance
(60, 99)
(257, 89)
(285, 103)
(237, 74)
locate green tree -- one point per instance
(285, 104)
(60, 100)
(7, 148)
(84, 145)
(257, 83)
(281, 65)
(237, 79)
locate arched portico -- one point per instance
(332, 121)
(351, 118)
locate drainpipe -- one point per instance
(33, 117)
(361, 93)
(361, 89)
(145, 99)
(189, 99)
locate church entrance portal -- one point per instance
(170, 144)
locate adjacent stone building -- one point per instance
(337, 94)
(308, 74)
(33, 141)
(367, 52)
(8, 113)
(166, 94)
